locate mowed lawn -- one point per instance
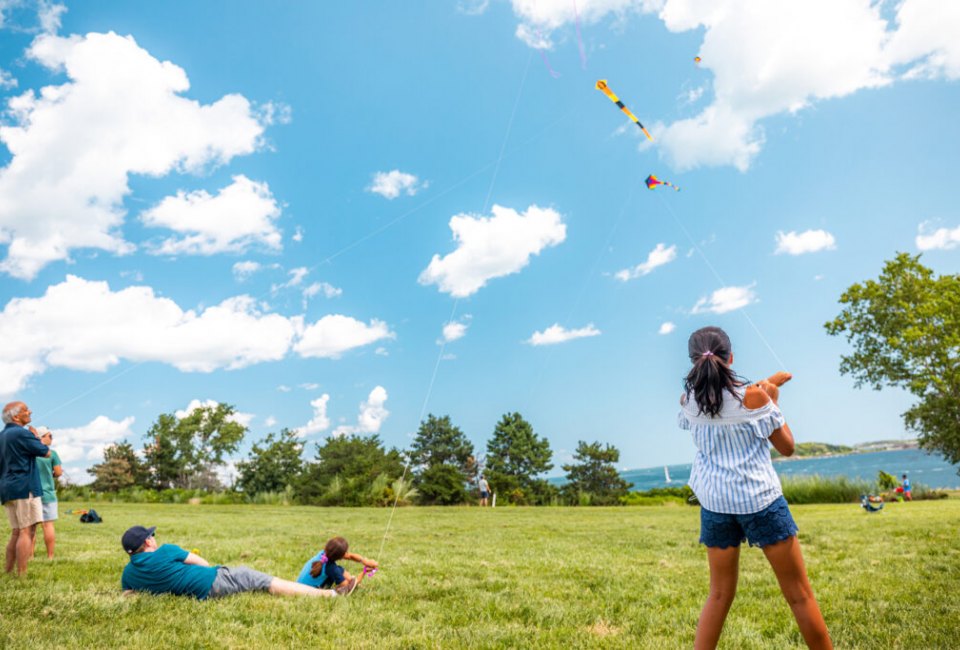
(503, 578)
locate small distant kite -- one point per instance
(602, 86)
(697, 60)
(652, 181)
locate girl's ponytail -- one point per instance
(710, 351)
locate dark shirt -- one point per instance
(19, 477)
(163, 572)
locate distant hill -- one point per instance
(809, 449)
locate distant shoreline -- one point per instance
(807, 450)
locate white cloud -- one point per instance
(472, 7)
(73, 146)
(666, 328)
(319, 422)
(86, 442)
(283, 388)
(768, 58)
(327, 289)
(808, 241)
(657, 257)
(334, 334)
(309, 386)
(454, 330)
(392, 184)
(269, 421)
(371, 416)
(7, 80)
(941, 238)
(382, 352)
(725, 299)
(243, 270)
(243, 419)
(49, 15)
(83, 325)
(297, 234)
(239, 217)
(558, 334)
(492, 247)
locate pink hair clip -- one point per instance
(708, 353)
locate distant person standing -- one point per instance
(906, 488)
(484, 490)
(20, 487)
(50, 469)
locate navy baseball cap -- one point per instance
(135, 537)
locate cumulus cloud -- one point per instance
(319, 422)
(7, 80)
(769, 58)
(84, 325)
(243, 419)
(941, 238)
(74, 146)
(493, 247)
(243, 270)
(808, 241)
(87, 442)
(666, 328)
(334, 334)
(725, 299)
(556, 333)
(392, 184)
(327, 289)
(371, 416)
(453, 331)
(240, 216)
(657, 257)
(472, 7)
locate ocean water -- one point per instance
(928, 469)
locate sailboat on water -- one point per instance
(666, 474)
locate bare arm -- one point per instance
(129, 592)
(195, 559)
(57, 471)
(362, 560)
(760, 395)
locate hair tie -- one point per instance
(323, 559)
(708, 353)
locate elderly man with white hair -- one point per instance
(20, 488)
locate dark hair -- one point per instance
(710, 350)
(335, 549)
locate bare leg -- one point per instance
(25, 547)
(12, 550)
(724, 572)
(33, 540)
(281, 587)
(49, 538)
(787, 562)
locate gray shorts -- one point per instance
(50, 511)
(236, 580)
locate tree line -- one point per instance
(440, 468)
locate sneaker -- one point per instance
(346, 587)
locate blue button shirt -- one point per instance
(163, 572)
(19, 477)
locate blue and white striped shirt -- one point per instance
(732, 472)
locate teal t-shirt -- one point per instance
(45, 467)
(163, 572)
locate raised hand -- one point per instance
(779, 378)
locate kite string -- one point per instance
(456, 303)
(583, 54)
(720, 279)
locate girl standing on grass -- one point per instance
(739, 491)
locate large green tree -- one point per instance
(182, 452)
(594, 473)
(351, 470)
(905, 331)
(443, 458)
(121, 468)
(515, 457)
(273, 464)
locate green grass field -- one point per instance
(503, 578)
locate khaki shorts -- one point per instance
(24, 513)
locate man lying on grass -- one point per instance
(169, 569)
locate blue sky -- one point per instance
(291, 208)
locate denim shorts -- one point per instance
(771, 525)
(236, 580)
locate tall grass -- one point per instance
(840, 489)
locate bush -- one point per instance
(659, 496)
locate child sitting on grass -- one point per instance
(321, 571)
(738, 490)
